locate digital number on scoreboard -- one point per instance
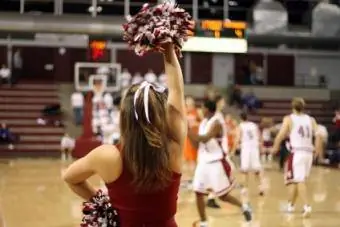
(220, 29)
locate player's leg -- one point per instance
(290, 175)
(212, 201)
(308, 162)
(222, 183)
(257, 168)
(245, 168)
(200, 186)
(69, 154)
(63, 154)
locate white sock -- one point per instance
(203, 224)
(211, 196)
(245, 206)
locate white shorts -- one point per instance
(298, 166)
(250, 160)
(213, 177)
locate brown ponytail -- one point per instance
(144, 144)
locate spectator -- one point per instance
(323, 81)
(77, 102)
(5, 74)
(7, 137)
(137, 78)
(220, 103)
(67, 145)
(150, 76)
(125, 79)
(210, 92)
(256, 74)
(103, 70)
(251, 102)
(236, 96)
(162, 79)
(322, 131)
(17, 66)
(108, 100)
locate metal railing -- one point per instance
(299, 12)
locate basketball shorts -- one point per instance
(214, 177)
(298, 166)
(250, 160)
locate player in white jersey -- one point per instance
(220, 104)
(302, 129)
(248, 136)
(213, 171)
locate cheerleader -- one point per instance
(143, 172)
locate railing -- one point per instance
(299, 12)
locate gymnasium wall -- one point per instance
(287, 69)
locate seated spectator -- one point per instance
(7, 137)
(256, 74)
(162, 79)
(125, 79)
(77, 102)
(150, 76)
(137, 78)
(251, 102)
(67, 145)
(5, 75)
(108, 100)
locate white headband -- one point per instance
(146, 86)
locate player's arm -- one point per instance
(214, 131)
(175, 103)
(318, 138)
(282, 133)
(237, 134)
(100, 158)
(260, 139)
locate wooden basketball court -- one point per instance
(33, 195)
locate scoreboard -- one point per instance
(218, 36)
(220, 29)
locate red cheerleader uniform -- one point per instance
(153, 209)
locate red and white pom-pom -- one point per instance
(98, 212)
(153, 26)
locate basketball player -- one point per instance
(301, 129)
(249, 137)
(143, 172)
(220, 104)
(67, 145)
(213, 171)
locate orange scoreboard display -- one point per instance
(220, 29)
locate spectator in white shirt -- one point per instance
(150, 76)
(77, 102)
(162, 80)
(108, 100)
(103, 70)
(67, 145)
(5, 74)
(137, 78)
(125, 79)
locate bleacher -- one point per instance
(20, 107)
(276, 109)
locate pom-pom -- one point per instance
(98, 212)
(153, 26)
